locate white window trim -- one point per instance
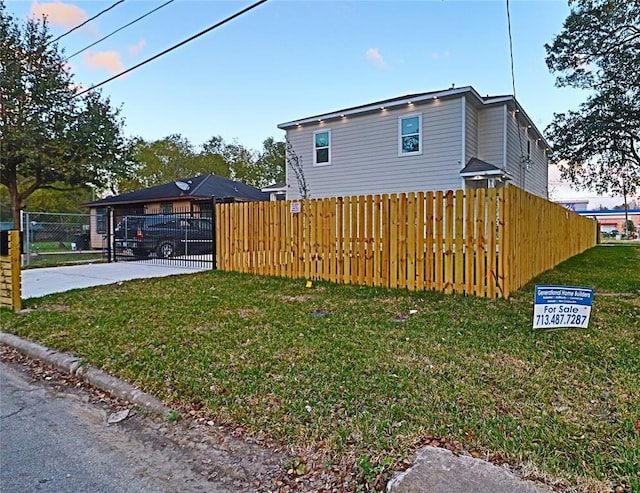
(315, 154)
(404, 117)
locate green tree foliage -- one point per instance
(169, 159)
(598, 146)
(272, 161)
(50, 138)
(175, 158)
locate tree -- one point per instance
(294, 163)
(245, 165)
(598, 146)
(633, 204)
(272, 161)
(169, 159)
(48, 135)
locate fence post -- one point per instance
(28, 229)
(10, 275)
(214, 234)
(109, 229)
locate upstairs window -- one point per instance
(409, 135)
(322, 147)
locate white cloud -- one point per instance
(62, 14)
(374, 56)
(58, 13)
(107, 60)
(134, 50)
(437, 55)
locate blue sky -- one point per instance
(289, 59)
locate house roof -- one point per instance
(275, 187)
(198, 187)
(419, 98)
(477, 166)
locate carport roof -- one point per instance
(196, 188)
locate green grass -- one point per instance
(49, 246)
(361, 387)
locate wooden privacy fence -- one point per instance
(478, 242)
(10, 275)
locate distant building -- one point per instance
(574, 205)
(613, 219)
(192, 194)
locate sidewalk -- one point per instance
(437, 470)
(48, 280)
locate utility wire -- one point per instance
(513, 76)
(201, 33)
(85, 22)
(513, 86)
(119, 29)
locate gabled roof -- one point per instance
(198, 187)
(275, 187)
(479, 167)
(424, 97)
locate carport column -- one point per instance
(214, 235)
(111, 256)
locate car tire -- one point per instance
(165, 250)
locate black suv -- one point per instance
(165, 234)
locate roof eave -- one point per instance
(493, 172)
(387, 103)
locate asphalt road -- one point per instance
(54, 442)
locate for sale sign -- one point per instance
(562, 306)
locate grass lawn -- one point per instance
(353, 373)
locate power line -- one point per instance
(119, 29)
(513, 76)
(201, 33)
(513, 86)
(85, 22)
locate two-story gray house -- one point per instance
(438, 140)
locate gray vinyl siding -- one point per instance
(516, 147)
(471, 133)
(533, 178)
(364, 153)
(538, 175)
(491, 135)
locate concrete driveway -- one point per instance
(40, 282)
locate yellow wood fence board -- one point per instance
(448, 243)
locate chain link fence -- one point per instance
(51, 239)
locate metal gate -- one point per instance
(179, 238)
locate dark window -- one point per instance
(101, 220)
(205, 209)
(166, 208)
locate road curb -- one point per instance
(73, 365)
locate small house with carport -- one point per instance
(440, 140)
(194, 195)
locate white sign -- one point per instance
(562, 306)
(295, 207)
